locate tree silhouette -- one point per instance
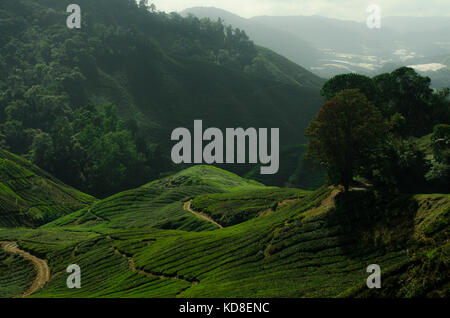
(343, 135)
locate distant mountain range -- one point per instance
(329, 46)
(283, 42)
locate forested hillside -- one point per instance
(95, 106)
(288, 43)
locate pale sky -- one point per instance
(338, 9)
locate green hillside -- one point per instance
(158, 204)
(32, 197)
(160, 71)
(233, 208)
(94, 109)
(15, 275)
(281, 69)
(299, 244)
(287, 43)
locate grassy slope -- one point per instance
(308, 248)
(16, 275)
(31, 197)
(158, 204)
(233, 208)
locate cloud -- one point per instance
(339, 9)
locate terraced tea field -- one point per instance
(158, 204)
(244, 240)
(16, 274)
(32, 197)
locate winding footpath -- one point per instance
(41, 266)
(160, 276)
(187, 207)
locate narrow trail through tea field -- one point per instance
(160, 276)
(187, 207)
(41, 266)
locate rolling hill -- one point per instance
(31, 197)
(98, 105)
(158, 204)
(271, 242)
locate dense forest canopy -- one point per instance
(399, 142)
(95, 106)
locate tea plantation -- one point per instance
(272, 242)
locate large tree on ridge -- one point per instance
(345, 131)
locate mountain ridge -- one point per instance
(401, 40)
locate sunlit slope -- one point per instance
(233, 208)
(31, 197)
(158, 204)
(315, 245)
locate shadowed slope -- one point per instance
(318, 245)
(32, 197)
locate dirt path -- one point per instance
(187, 207)
(43, 272)
(160, 276)
(149, 274)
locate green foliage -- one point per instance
(441, 143)
(16, 275)
(407, 93)
(268, 64)
(344, 134)
(160, 70)
(439, 173)
(343, 82)
(57, 88)
(326, 245)
(425, 272)
(410, 108)
(311, 246)
(403, 95)
(233, 208)
(158, 204)
(398, 125)
(32, 197)
(96, 152)
(397, 165)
